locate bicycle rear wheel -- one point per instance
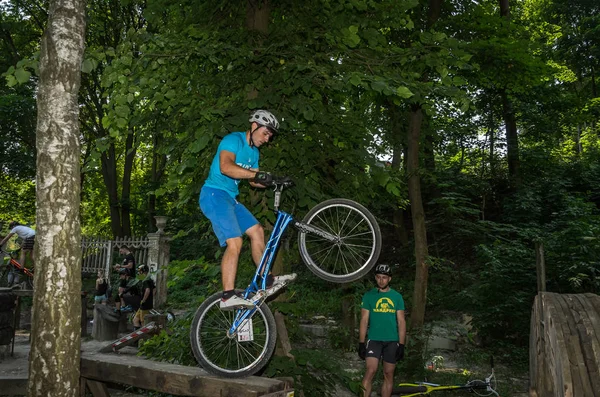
(356, 248)
(228, 356)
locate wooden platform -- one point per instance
(171, 378)
(564, 349)
(127, 368)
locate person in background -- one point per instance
(27, 234)
(147, 302)
(101, 288)
(382, 315)
(128, 261)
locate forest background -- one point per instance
(469, 128)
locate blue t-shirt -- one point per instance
(245, 156)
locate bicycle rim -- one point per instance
(226, 356)
(356, 248)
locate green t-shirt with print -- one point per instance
(382, 307)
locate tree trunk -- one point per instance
(397, 163)
(504, 8)
(56, 340)
(510, 121)
(257, 15)
(418, 217)
(512, 140)
(109, 174)
(126, 185)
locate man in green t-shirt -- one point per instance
(382, 313)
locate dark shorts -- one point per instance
(379, 350)
(133, 301)
(28, 243)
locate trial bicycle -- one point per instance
(339, 241)
(480, 387)
(12, 271)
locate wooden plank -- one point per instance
(13, 385)
(98, 389)
(590, 344)
(539, 378)
(544, 381)
(171, 378)
(570, 319)
(282, 393)
(555, 349)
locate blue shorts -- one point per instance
(229, 218)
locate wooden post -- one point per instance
(106, 323)
(284, 346)
(83, 313)
(158, 261)
(540, 266)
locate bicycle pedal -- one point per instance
(259, 297)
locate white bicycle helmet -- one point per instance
(265, 118)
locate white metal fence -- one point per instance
(101, 254)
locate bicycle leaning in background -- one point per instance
(339, 241)
(480, 387)
(12, 273)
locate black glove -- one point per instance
(264, 178)
(362, 350)
(400, 352)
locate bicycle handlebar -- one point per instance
(277, 181)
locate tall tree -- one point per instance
(414, 192)
(510, 119)
(56, 339)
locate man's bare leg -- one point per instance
(229, 262)
(367, 382)
(257, 242)
(388, 379)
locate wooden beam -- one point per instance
(13, 385)
(171, 378)
(98, 389)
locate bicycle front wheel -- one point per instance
(355, 249)
(232, 356)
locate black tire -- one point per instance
(4, 276)
(211, 345)
(351, 256)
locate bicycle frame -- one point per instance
(259, 283)
(17, 265)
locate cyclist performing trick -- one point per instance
(237, 159)
(27, 234)
(382, 313)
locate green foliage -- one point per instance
(315, 373)
(172, 346)
(191, 281)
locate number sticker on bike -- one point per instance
(245, 333)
